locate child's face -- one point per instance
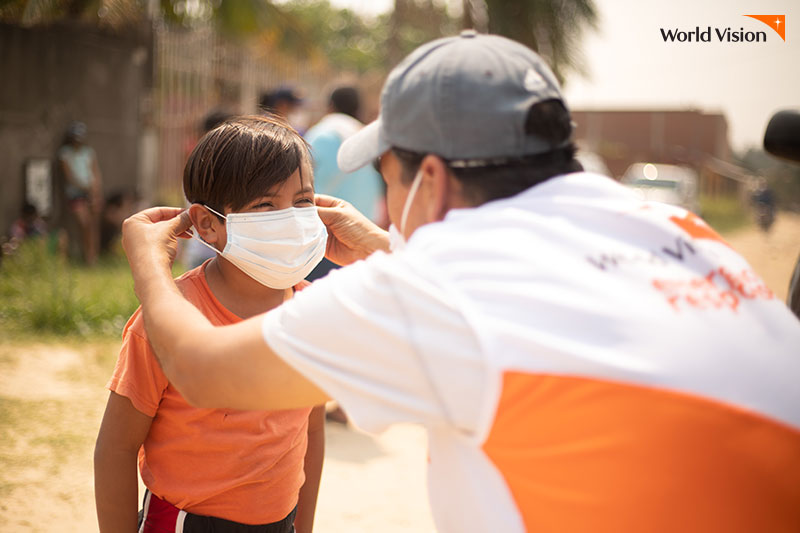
(294, 192)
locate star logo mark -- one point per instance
(776, 22)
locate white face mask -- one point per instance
(397, 239)
(276, 248)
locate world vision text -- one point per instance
(723, 35)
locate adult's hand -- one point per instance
(150, 240)
(351, 235)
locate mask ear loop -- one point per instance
(409, 201)
(213, 211)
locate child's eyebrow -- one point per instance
(304, 190)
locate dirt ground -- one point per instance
(772, 255)
(52, 398)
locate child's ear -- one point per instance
(205, 223)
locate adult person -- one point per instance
(287, 102)
(582, 361)
(82, 187)
(362, 188)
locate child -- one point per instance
(250, 185)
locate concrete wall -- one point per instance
(678, 137)
(52, 75)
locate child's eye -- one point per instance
(306, 200)
(262, 205)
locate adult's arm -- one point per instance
(116, 484)
(228, 366)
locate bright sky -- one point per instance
(366, 7)
(630, 66)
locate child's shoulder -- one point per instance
(191, 278)
(189, 283)
(193, 285)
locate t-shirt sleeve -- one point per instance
(386, 342)
(137, 375)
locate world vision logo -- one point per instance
(776, 22)
(727, 35)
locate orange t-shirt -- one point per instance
(245, 466)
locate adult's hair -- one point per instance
(269, 100)
(242, 159)
(214, 119)
(346, 100)
(492, 179)
(266, 101)
(29, 210)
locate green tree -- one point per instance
(414, 22)
(346, 40)
(232, 18)
(551, 27)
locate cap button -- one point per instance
(469, 33)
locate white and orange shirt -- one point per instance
(583, 361)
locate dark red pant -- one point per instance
(160, 516)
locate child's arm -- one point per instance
(307, 502)
(116, 484)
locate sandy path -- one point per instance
(51, 404)
(772, 255)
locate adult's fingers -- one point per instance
(182, 225)
(158, 214)
(324, 200)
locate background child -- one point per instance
(216, 469)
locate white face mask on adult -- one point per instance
(276, 248)
(397, 239)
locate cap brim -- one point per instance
(362, 148)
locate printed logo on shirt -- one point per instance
(678, 251)
(697, 228)
(719, 289)
(743, 35)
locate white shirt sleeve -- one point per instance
(385, 340)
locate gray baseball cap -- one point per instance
(462, 98)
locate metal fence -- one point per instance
(197, 72)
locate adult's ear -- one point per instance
(206, 224)
(443, 190)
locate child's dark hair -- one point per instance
(243, 158)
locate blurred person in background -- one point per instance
(363, 188)
(287, 102)
(117, 207)
(29, 224)
(763, 200)
(82, 188)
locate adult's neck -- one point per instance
(238, 292)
